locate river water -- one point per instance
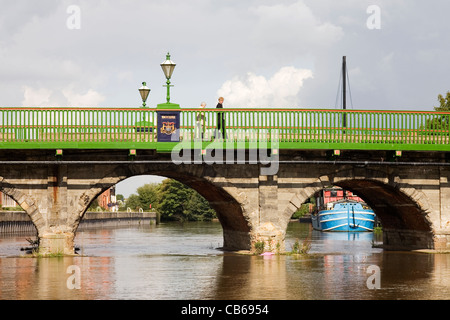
(181, 261)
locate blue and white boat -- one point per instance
(345, 216)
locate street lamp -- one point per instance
(168, 66)
(144, 91)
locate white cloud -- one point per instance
(281, 90)
(89, 99)
(36, 97)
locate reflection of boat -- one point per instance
(340, 210)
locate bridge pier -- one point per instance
(58, 243)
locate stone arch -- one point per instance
(397, 204)
(25, 201)
(402, 209)
(85, 199)
(225, 198)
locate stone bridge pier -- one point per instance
(412, 201)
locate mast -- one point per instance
(344, 89)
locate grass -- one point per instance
(304, 246)
(301, 248)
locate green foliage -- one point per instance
(146, 195)
(301, 248)
(440, 123)
(259, 247)
(305, 208)
(173, 200)
(94, 205)
(17, 208)
(173, 197)
(444, 103)
(197, 208)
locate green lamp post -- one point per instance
(168, 66)
(168, 114)
(144, 125)
(144, 91)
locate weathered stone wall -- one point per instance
(412, 201)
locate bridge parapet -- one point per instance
(124, 128)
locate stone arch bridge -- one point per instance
(410, 196)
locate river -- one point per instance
(181, 261)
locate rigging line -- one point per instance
(349, 90)
(339, 90)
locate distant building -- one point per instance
(107, 200)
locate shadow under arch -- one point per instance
(394, 208)
(229, 211)
(236, 228)
(401, 209)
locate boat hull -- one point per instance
(343, 220)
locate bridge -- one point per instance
(256, 174)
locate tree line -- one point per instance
(172, 199)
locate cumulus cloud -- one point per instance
(90, 98)
(45, 97)
(36, 97)
(280, 90)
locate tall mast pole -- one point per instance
(344, 89)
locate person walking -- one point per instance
(220, 118)
(200, 123)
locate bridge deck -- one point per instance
(128, 128)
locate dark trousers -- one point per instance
(221, 123)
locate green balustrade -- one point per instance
(129, 128)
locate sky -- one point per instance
(254, 53)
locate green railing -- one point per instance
(292, 128)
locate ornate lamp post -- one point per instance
(168, 114)
(168, 66)
(144, 91)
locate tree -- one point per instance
(444, 103)
(179, 202)
(440, 123)
(198, 209)
(133, 202)
(173, 200)
(146, 195)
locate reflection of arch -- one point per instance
(398, 205)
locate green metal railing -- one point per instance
(292, 128)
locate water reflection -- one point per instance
(180, 261)
(247, 277)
